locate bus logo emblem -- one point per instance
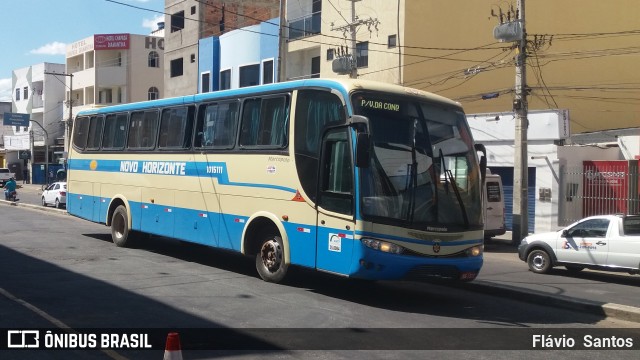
(436, 247)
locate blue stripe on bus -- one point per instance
(225, 231)
(216, 170)
(197, 226)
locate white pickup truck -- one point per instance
(605, 242)
(5, 175)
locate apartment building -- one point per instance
(189, 21)
(109, 69)
(39, 93)
(583, 61)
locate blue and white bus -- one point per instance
(356, 178)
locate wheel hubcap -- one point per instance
(271, 255)
(539, 262)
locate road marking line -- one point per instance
(112, 354)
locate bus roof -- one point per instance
(345, 86)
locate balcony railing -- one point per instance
(305, 26)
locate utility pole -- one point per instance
(281, 43)
(514, 31)
(69, 121)
(520, 227)
(352, 26)
(339, 63)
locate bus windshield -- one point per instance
(423, 171)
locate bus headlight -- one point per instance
(383, 246)
(475, 251)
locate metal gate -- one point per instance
(599, 188)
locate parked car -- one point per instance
(55, 194)
(5, 175)
(605, 242)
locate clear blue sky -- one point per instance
(37, 31)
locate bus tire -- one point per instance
(270, 261)
(120, 232)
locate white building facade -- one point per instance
(110, 69)
(41, 95)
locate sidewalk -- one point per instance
(597, 292)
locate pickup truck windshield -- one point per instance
(423, 171)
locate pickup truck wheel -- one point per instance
(539, 261)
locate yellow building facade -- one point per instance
(582, 54)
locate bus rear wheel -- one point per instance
(120, 232)
(270, 261)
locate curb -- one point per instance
(617, 311)
(35, 207)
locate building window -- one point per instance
(267, 72)
(176, 67)
(315, 67)
(153, 93)
(193, 10)
(154, 59)
(249, 75)
(205, 79)
(17, 94)
(225, 79)
(391, 41)
(177, 21)
(362, 54)
(105, 96)
(26, 92)
(193, 58)
(330, 54)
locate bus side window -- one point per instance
(94, 137)
(175, 128)
(80, 131)
(337, 173)
(115, 129)
(142, 130)
(315, 110)
(216, 126)
(264, 122)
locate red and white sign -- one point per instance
(111, 41)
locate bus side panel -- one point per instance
(95, 216)
(193, 220)
(231, 227)
(302, 243)
(157, 211)
(80, 201)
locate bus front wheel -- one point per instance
(270, 261)
(120, 232)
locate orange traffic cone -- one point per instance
(172, 350)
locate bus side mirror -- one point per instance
(363, 144)
(483, 159)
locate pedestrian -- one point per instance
(25, 176)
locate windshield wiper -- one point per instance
(449, 177)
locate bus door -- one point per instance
(335, 220)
